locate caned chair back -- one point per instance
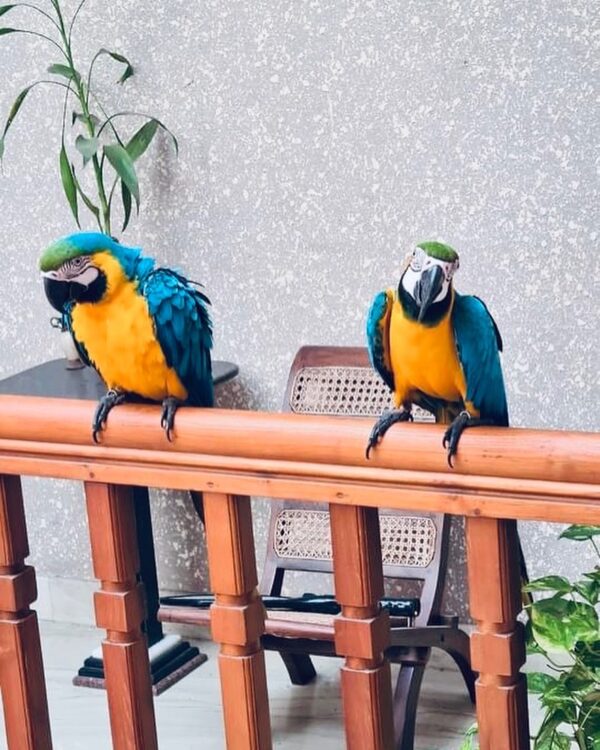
(340, 381)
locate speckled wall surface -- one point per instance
(319, 140)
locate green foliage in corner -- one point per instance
(99, 140)
(564, 628)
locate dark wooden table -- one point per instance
(171, 658)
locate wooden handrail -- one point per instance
(515, 473)
(501, 475)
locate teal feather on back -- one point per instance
(378, 338)
(478, 344)
(183, 329)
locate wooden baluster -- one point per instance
(21, 668)
(237, 621)
(498, 644)
(362, 631)
(120, 611)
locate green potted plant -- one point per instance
(93, 139)
(563, 627)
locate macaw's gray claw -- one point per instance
(456, 429)
(167, 417)
(110, 399)
(383, 424)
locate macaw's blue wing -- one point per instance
(478, 343)
(67, 322)
(183, 329)
(378, 336)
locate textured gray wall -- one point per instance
(320, 140)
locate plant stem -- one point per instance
(580, 739)
(105, 209)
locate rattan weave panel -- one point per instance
(305, 534)
(343, 391)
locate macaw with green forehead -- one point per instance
(146, 330)
(436, 348)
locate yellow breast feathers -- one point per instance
(424, 358)
(118, 334)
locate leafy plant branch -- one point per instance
(566, 622)
(113, 161)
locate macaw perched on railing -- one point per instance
(146, 330)
(436, 348)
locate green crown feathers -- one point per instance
(439, 251)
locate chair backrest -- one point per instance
(340, 381)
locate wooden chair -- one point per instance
(340, 381)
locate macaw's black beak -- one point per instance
(59, 292)
(427, 289)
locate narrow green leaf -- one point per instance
(125, 168)
(68, 182)
(129, 71)
(14, 110)
(66, 71)
(126, 198)
(87, 147)
(142, 139)
(580, 532)
(538, 682)
(168, 132)
(5, 8)
(549, 583)
(6, 30)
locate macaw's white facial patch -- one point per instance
(80, 269)
(421, 262)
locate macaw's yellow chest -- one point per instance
(424, 358)
(120, 339)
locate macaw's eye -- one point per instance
(78, 261)
(417, 260)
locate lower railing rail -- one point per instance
(501, 475)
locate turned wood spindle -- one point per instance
(498, 643)
(120, 611)
(237, 621)
(21, 668)
(362, 630)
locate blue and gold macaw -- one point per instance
(436, 348)
(146, 330)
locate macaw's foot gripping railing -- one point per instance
(501, 475)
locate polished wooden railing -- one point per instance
(501, 475)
